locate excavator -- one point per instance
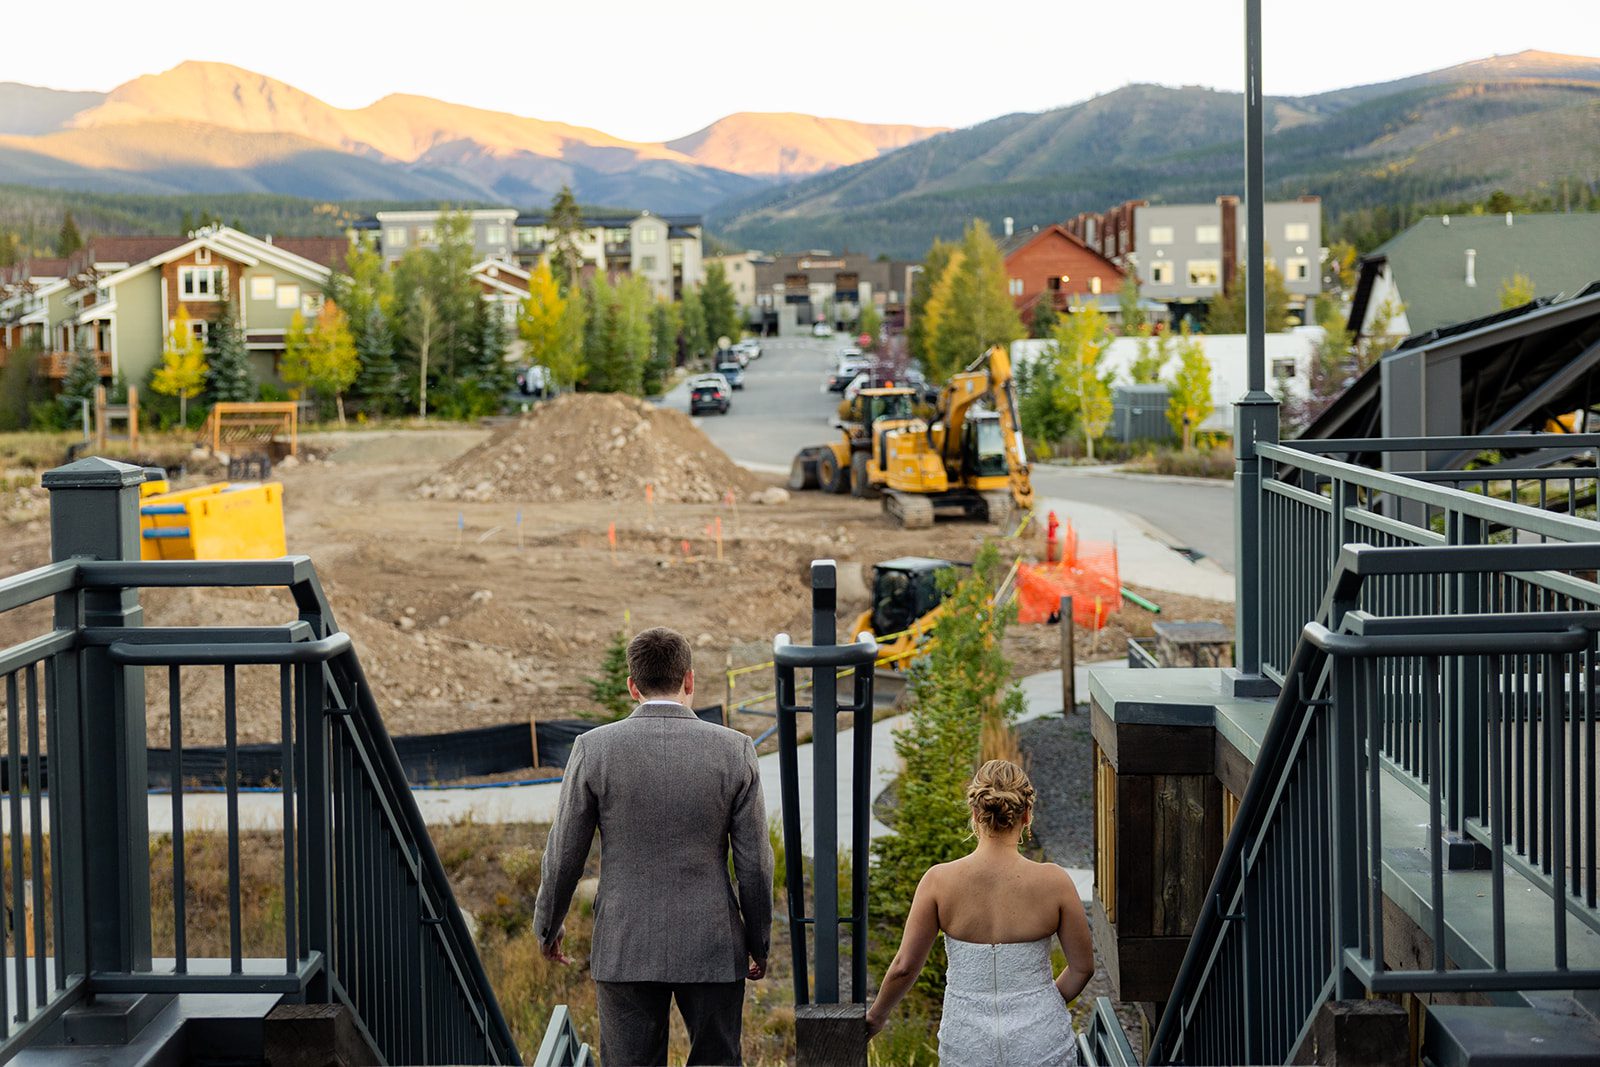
(970, 459)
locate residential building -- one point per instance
(666, 250)
(740, 268)
(1049, 262)
(1446, 269)
(504, 287)
(119, 296)
(1187, 254)
(794, 291)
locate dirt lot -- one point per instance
(460, 620)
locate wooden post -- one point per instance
(133, 417)
(100, 418)
(830, 1035)
(1069, 660)
(533, 738)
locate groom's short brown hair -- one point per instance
(658, 661)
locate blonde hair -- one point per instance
(1000, 796)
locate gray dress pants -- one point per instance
(633, 1022)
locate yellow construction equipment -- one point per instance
(846, 465)
(217, 521)
(971, 459)
(906, 602)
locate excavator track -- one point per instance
(999, 509)
(911, 511)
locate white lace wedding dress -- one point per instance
(1002, 1008)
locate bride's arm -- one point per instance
(1075, 942)
(922, 926)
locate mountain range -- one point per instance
(211, 127)
(1523, 123)
(1527, 123)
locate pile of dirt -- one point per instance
(594, 446)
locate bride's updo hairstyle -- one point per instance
(1000, 796)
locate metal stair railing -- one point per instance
(1294, 915)
(369, 920)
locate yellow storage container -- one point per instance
(217, 521)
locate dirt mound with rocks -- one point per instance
(594, 446)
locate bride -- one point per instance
(998, 912)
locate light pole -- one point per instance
(1256, 413)
(911, 269)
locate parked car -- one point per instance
(733, 372)
(710, 392)
(821, 329)
(533, 380)
(846, 371)
(750, 347)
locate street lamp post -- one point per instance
(905, 296)
(1255, 413)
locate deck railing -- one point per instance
(368, 918)
(1373, 735)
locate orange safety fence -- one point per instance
(1087, 572)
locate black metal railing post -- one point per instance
(94, 514)
(827, 1028)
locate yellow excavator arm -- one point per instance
(989, 376)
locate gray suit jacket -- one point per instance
(669, 794)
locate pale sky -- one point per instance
(651, 70)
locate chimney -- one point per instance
(1472, 267)
(1009, 224)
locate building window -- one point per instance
(1207, 235)
(527, 237)
(310, 303)
(200, 283)
(201, 328)
(1203, 273)
(262, 286)
(1283, 369)
(647, 263)
(649, 235)
(1161, 235)
(618, 237)
(202, 255)
(1016, 287)
(494, 235)
(288, 296)
(424, 234)
(677, 254)
(1297, 270)
(1161, 272)
(1297, 231)
(394, 236)
(1094, 284)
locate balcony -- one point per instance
(55, 365)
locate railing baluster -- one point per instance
(1555, 854)
(37, 847)
(1433, 742)
(1589, 826)
(18, 911)
(291, 881)
(180, 921)
(1497, 817)
(230, 725)
(51, 734)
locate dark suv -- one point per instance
(709, 392)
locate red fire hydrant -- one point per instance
(1052, 539)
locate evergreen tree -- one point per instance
(69, 240)
(566, 219)
(229, 376)
(599, 329)
(609, 688)
(695, 343)
(379, 380)
(492, 374)
(665, 323)
(721, 306)
(83, 374)
(1043, 321)
(20, 387)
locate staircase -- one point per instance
(377, 965)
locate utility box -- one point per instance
(1139, 413)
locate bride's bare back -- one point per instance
(995, 897)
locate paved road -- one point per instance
(783, 408)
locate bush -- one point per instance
(960, 700)
(1208, 460)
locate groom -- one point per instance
(670, 794)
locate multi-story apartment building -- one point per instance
(666, 250)
(119, 296)
(1188, 253)
(794, 291)
(1049, 263)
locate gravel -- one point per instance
(1057, 754)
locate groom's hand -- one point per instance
(757, 971)
(552, 951)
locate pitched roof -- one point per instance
(1428, 261)
(125, 249)
(329, 251)
(1009, 246)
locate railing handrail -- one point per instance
(1472, 505)
(1517, 442)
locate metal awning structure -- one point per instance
(1519, 370)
